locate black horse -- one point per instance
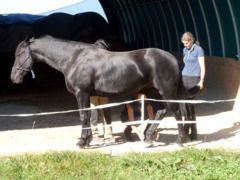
(90, 70)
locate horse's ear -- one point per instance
(29, 40)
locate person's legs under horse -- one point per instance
(106, 117)
(95, 118)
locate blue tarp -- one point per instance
(86, 27)
(19, 18)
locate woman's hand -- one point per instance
(201, 60)
(201, 86)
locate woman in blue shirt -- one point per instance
(193, 74)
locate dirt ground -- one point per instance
(218, 125)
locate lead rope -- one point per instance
(33, 75)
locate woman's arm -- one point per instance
(130, 112)
(150, 112)
(201, 60)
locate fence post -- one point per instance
(142, 118)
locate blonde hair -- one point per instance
(188, 36)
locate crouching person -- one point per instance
(132, 112)
(105, 116)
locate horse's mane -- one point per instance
(101, 43)
(51, 38)
(18, 47)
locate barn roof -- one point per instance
(83, 26)
(160, 23)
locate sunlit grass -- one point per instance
(184, 164)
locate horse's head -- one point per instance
(23, 62)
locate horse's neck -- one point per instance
(51, 54)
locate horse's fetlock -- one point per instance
(150, 136)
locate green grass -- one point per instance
(184, 164)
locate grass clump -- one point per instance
(183, 164)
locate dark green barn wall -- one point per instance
(160, 23)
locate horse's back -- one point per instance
(142, 61)
(159, 62)
(150, 55)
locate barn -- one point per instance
(142, 24)
(160, 23)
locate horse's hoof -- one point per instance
(81, 144)
(193, 137)
(129, 138)
(84, 142)
(181, 139)
(128, 134)
(148, 143)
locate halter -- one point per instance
(24, 69)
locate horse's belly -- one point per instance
(116, 89)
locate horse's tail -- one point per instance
(182, 94)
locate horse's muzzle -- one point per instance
(16, 79)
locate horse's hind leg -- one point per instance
(187, 118)
(193, 127)
(150, 132)
(190, 116)
(178, 116)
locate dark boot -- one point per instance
(128, 133)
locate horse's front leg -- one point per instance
(84, 102)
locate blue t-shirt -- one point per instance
(191, 63)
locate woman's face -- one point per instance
(188, 44)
